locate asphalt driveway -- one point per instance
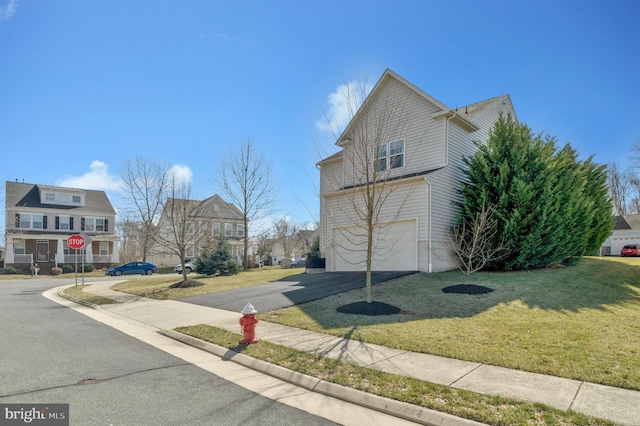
(291, 291)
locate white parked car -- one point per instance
(189, 266)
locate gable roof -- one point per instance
(629, 221)
(213, 207)
(464, 117)
(28, 195)
(445, 111)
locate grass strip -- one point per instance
(159, 288)
(487, 409)
(76, 291)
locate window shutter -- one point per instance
(82, 224)
(106, 225)
(71, 224)
(44, 222)
(17, 223)
(57, 222)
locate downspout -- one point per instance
(426, 179)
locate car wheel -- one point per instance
(188, 270)
(149, 271)
(117, 273)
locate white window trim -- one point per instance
(386, 158)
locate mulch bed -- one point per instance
(467, 289)
(373, 308)
(186, 284)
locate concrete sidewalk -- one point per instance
(619, 405)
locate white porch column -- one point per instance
(8, 256)
(115, 254)
(60, 252)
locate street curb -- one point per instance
(79, 301)
(389, 406)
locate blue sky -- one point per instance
(87, 85)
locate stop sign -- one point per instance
(75, 241)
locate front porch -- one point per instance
(47, 253)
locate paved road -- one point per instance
(291, 291)
(48, 351)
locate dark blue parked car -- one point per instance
(142, 268)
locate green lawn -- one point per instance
(580, 322)
(488, 409)
(159, 288)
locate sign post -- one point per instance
(76, 242)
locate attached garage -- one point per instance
(395, 248)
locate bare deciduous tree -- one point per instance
(131, 232)
(145, 183)
(618, 187)
(473, 241)
(372, 147)
(179, 226)
(286, 233)
(246, 179)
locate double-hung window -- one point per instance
(63, 222)
(104, 248)
(389, 155)
(381, 157)
(94, 224)
(18, 246)
(396, 154)
(216, 229)
(24, 220)
(228, 230)
(32, 221)
(240, 230)
(38, 221)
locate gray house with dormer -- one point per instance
(40, 219)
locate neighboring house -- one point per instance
(626, 230)
(423, 159)
(40, 218)
(210, 218)
(301, 245)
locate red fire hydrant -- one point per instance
(248, 324)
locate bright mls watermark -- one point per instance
(34, 414)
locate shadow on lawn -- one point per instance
(591, 284)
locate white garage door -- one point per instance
(394, 248)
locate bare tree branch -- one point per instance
(145, 183)
(473, 241)
(179, 227)
(246, 179)
(367, 179)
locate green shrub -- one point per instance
(10, 270)
(216, 259)
(88, 267)
(548, 204)
(66, 269)
(314, 260)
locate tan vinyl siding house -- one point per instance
(422, 186)
(210, 218)
(40, 218)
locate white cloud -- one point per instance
(181, 173)
(9, 10)
(343, 104)
(98, 178)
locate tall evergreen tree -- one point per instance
(549, 206)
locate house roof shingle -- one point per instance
(28, 195)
